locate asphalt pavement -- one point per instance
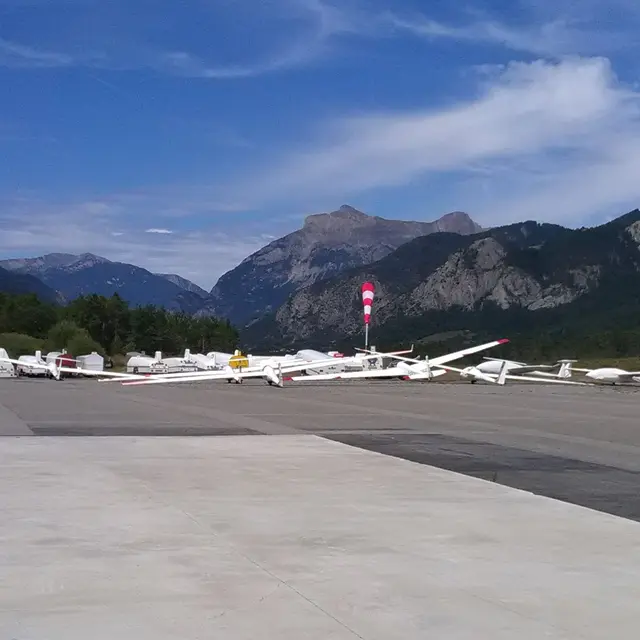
(318, 511)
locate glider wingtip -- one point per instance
(503, 340)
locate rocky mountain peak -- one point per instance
(327, 245)
(348, 224)
(84, 261)
(457, 222)
(344, 218)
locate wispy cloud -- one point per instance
(13, 54)
(562, 118)
(545, 28)
(302, 31)
(554, 38)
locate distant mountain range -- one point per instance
(326, 245)
(443, 276)
(75, 275)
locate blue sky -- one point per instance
(182, 136)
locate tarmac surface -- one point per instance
(271, 531)
(581, 445)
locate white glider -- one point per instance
(493, 366)
(51, 367)
(272, 372)
(408, 367)
(475, 374)
(610, 375)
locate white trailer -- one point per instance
(91, 362)
(200, 361)
(179, 365)
(147, 364)
(7, 370)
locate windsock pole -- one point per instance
(368, 293)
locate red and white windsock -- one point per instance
(368, 292)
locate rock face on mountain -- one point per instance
(19, 283)
(327, 245)
(446, 281)
(76, 275)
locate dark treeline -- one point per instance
(107, 325)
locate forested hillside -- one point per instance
(106, 325)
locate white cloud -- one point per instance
(592, 187)
(567, 118)
(554, 38)
(160, 231)
(13, 54)
(301, 31)
(542, 27)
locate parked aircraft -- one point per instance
(231, 372)
(35, 365)
(493, 366)
(503, 375)
(305, 355)
(272, 371)
(408, 367)
(610, 375)
(337, 364)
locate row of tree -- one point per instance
(107, 325)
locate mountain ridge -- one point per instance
(183, 283)
(21, 283)
(73, 275)
(326, 245)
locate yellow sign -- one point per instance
(238, 361)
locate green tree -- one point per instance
(19, 344)
(117, 346)
(81, 343)
(60, 335)
(26, 314)
(111, 324)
